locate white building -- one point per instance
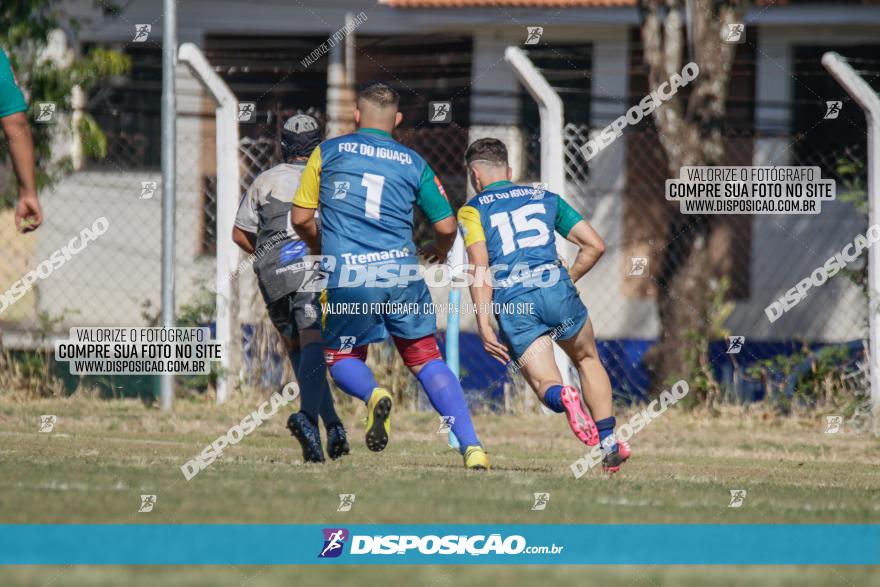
(453, 49)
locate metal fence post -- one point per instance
(169, 170)
(228, 330)
(865, 97)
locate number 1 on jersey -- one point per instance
(374, 184)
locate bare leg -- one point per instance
(594, 379)
(539, 366)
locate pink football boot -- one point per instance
(579, 420)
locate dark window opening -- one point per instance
(423, 69)
(128, 110)
(568, 69)
(268, 71)
(834, 142)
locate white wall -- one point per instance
(788, 248)
(785, 248)
(107, 282)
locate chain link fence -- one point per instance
(115, 280)
(751, 261)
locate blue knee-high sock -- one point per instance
(315, 397)
(444, 392)
(295, 357)
(307, 390)
(328, 409)
(553, 398)
(354, 378)
(606, 430)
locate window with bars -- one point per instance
(127, 109)
(567, 67)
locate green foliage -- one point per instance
(824, 384)
(851, 188)
(705, 389)
(33, 23)
(31, 373)
(93, 139)
(199, 311)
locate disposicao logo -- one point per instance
(430, 545)
(334, 540)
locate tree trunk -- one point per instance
(690, 130)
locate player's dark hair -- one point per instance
(488, 149)
(379, 94)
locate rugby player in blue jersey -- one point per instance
(262, 228)
(365, 185)
(512, 229)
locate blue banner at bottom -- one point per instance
(631, 544)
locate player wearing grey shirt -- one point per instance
(284, 270)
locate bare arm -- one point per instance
(246, 241)
(304, 224)
(444, 237)
(28, 214)
(590, 245)
(481, 295)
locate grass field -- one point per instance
(102, 455)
